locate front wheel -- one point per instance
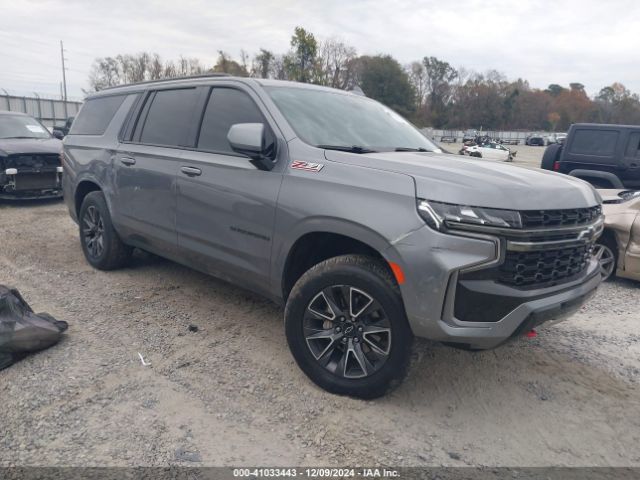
(347, 329)
(606, 253)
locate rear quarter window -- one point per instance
(633, 146)
(95, 115)
(594, 142)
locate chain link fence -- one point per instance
(49, 111)
(508, 137)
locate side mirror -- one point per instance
(57, 134)
(249, 139)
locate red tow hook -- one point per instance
(532, 333)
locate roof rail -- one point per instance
(168, 79)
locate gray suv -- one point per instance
(336, 207)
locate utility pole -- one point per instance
(64, 73)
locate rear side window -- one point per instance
(95, 115)
(633, 147)
(594, 142)
(227, 106)
(169, 118)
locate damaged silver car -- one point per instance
(30, 165)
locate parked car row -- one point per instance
(556, 138)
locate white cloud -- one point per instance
(543, 41)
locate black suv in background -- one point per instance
(607, 156)
(61, 131)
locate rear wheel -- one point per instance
(101, 244)
(346, 327)
(550, 156)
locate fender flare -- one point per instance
(323, 224)
(608, 176)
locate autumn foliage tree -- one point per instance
(430, 91)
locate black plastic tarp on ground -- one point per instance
(21, 330)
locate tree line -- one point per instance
(430, 92)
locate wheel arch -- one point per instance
(611, 239)
(591, 175)
(84, 188)
(323, 240)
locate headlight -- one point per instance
(439, 214)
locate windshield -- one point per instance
(333, 119)
(19, 126)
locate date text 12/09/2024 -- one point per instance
(316, 472)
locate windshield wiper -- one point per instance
(7, 138)
(345, 148)
(411, 149)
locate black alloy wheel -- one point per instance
(93, 231)
(347, 331)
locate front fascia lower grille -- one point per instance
(544, 256)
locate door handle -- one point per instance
(191, 171)
(128, 161)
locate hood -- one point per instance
(480, 183)
(11, 146)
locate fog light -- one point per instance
(11, 171)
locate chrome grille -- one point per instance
(559, 218)
(544, 267)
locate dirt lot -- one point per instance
(230, 394)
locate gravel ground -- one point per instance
(230, 393)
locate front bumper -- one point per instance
(525, 310)
(29, 184)
(434, 264)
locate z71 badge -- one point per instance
(309, 167)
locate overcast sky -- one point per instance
(587, 41)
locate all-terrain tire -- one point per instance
(362, 274)
(106, 251)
